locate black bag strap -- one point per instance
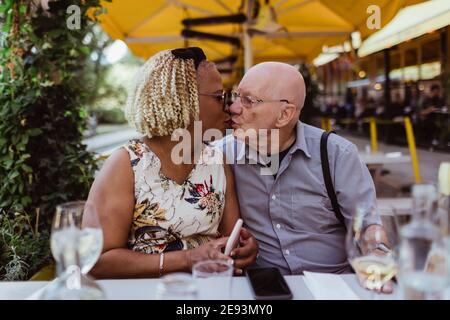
(327, 176)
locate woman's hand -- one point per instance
(246, 254)
(208, 251)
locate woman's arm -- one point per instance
(246, 254)
(112, 195)
(231, 212)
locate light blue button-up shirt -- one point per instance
(291, 216)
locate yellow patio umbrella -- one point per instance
(148, 26)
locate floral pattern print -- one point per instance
(168, 216)
(204, 196)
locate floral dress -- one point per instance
(169, 216)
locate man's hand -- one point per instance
(387, 288)
(246, 254)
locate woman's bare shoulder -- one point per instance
(116, 170)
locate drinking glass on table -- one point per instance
(213, 279)
(370, 248)
(75, 248)
(176, 286)
(422, 256)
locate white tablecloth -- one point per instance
(383, 159)
(144, 289)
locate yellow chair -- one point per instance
(47, 273)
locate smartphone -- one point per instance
(268, 284)
(234, 237)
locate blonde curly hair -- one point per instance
(164, 96)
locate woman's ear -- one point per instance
(287, 113)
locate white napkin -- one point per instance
(37, 294)
(325, 286)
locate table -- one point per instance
(380, 159)
(144, 289)
(376, 161)
(391, 206)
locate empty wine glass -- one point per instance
(68, 229)
(370, 248)
(76, 245)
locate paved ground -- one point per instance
(111, 137)
(428, 162)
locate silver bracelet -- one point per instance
(161, 263)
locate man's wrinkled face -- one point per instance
(258, 115)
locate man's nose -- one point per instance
(236, 107)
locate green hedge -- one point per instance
(42, 159)
(111, 116)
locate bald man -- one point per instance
(289, 210)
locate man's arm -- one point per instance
(353, 184)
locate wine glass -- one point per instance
(176, 286)
(214, 277)
(371, 248)
(76, 243)
(422, 257)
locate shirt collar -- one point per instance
(300, 141)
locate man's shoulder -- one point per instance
(336, 143)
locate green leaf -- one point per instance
(47, 45)
(3, 8)
(23, 9)
(34, 132)
(26, 201)
(47, 83)
(26, 168)
(8, 163)
(85, 50)
(5, 203)
(13, 175)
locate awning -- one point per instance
(150, 26)
(410, 23)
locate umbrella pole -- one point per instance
(248, 51)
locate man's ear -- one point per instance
(287, 113)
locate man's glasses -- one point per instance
(248, 101)
(227, 98)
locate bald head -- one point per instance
(275, 80)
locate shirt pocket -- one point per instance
(312, 212)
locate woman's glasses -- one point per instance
(224, 98)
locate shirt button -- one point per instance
(287, 252)
(278, 226)
(274, 197)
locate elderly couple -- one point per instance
(160, 217)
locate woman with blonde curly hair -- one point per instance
(159, 216)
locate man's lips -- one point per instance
(229, 123)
